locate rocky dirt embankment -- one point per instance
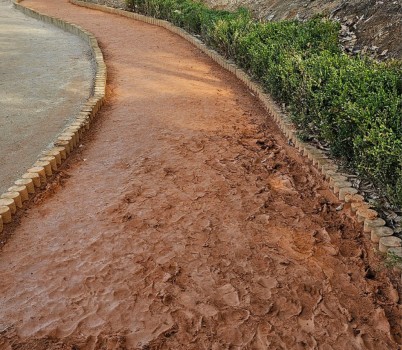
(111, 3)
(368, 26)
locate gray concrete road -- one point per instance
(46, 75)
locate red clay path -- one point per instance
(187, 222)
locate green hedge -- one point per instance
(354, 104)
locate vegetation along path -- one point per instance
(186, 221)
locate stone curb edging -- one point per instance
(51, 159)
(337, 181)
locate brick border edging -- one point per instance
(381, 235)
(42, 170)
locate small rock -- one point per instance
(398, 219)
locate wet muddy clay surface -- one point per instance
(187, 222)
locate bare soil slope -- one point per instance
(187, 222)
(372, 27)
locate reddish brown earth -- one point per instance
(186, 221)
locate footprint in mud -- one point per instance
(303, 243)
(262, 336)
(282, 183)
(286, 307)
(350, 249)
(263, 286)
(228, 295)
(163, 259)
(260, 307)
(107, 341)
(10, 341)
(193, 146)
(207, 310)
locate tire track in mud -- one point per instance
(187, 222)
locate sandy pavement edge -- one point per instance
(42, 171)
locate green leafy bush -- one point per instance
(354, 104)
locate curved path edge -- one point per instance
(186, 219)
(43, 170)
(382, 237)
